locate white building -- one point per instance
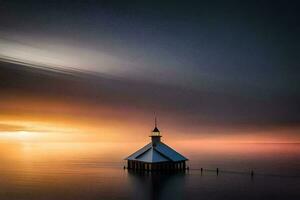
(156, 156)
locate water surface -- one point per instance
(87, 171)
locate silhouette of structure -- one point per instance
(156, 156)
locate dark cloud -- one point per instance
(195, 106)
(193, 43)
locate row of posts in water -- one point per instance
(217, 170)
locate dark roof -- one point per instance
(155, 130)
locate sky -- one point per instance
(99, 70)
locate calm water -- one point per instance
(31, 171)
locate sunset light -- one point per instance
(149, 100)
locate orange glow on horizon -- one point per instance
(35, 119)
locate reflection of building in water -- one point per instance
(156, 156)
(157, 185)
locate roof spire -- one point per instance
(155, 131)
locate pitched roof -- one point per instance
(155, 129)
(154, 153)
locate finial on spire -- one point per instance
(155, 130)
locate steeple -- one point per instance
(155, 130)
(155, 136)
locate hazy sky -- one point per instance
(226, 68)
